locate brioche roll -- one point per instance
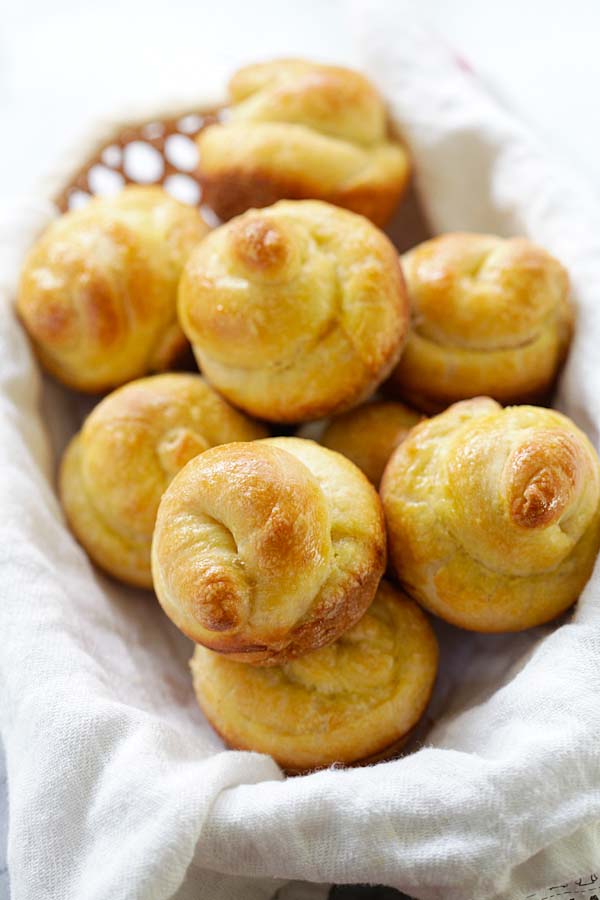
(353, 701)
(296, 311)
(98, 290)
(490, 316)
(369, 434)
(265, 551)
(117, 467)
(299, 130)
(493, 514)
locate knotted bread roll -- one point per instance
(299, 130)
(117, 467)
(266, 550)
(296, 311)
(355, 700)
(98, 290)
(369, 434)
(490, 316)
(493, 514)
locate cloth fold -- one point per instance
(118, 787)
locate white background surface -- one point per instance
(63, 63)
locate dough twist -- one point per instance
(299, 130)
(265, 551)
(494, 514)
(99, 288)
(295, 311)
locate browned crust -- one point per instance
(259, 245)
(541, 477)
(233, 192)
(323, 628)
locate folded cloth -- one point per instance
(119, 789)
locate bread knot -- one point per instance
(494, 514)
(490, 315)
(98, 290)
(258, 552)
(300, 130)
(294, 311)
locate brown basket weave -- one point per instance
(158, 151)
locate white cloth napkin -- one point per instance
(118, 788)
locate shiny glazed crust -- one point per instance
(265, 551)
(490, 316)
(296, 311)
(353, 701)
(493, 514)
(297, 130)
(98, 290)
(117, 467)
(369, 434)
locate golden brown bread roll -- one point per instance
(493, 514)
(369, 434)
(490, 316)
(265, 551)
(98, 290)
(295, 311)
(299, 130)
(117, 467)
(352, 701)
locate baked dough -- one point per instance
(355, 700)
(295, 311)
(266, 550)
(369, 434)
(490, 316)
(99, 288)
(299, 130)
(493, 514)
(116, 468)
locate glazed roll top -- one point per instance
(327, 99)
(493, 514)
(264, 551)
(98, 290)
(117, 467)
(295, 311)
(300, 130)
(356, 699)
(369, 434)
(491, 316)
